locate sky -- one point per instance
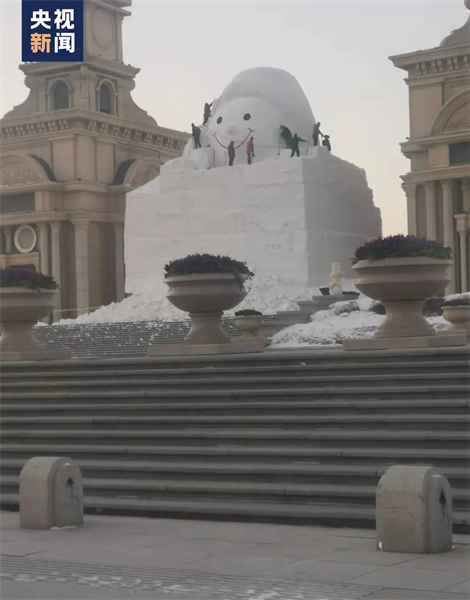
(338, 51)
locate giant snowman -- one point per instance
(255, 104)
(289, 218)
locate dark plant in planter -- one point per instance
(196, 264)
(26, 278)
(247, 312)
(401, 246)
(465, 301)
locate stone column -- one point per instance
(449, 224)
(81, 265)
(431, 222)
(462, 228)
(8, 240)
(466, 194)
(119, 258)
(43, 248)
(56, 267)
(410, 191)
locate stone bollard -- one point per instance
(414, 510)
(51, 493)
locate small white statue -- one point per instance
(334, 282)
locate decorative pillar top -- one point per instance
(447, 185)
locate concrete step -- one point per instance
(415, 422)
(229, 407)
(237, 383)
(302, 393)
(314, 356)
(285, 454)
(225, 490)
(329, 514)
(235, 471)
(146, 369)
(383, 438)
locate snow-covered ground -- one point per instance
(352, 319)
(330, 329)
(267, 293)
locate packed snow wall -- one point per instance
(287, 217)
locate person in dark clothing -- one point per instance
(286, 134)
(316, 133)
(207, 113)
(231, 154)
(294, 145)
(196, 135)
(326, 142)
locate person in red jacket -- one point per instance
(250, 150)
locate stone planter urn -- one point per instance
(248, 327)
(459, 318)
(403, 285)
(20, 310)
(205, 297)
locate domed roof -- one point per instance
(458, 36)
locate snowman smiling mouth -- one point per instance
(250, 131)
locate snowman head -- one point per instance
(255, 104)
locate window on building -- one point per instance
(459, 154)
(60, 96)
(106, 99)
(11, 204)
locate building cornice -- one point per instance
(436, 174)
(428, 65)
(61, 216)
(420, 144)
(37, 186)
(75, 120)
(444, 53)
(94, 63)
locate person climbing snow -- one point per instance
(207, 113)
(231, 154)
(250, 150)
(326, 142)
(316, 133)
(294, 145)
(286, 134)
(196, 135)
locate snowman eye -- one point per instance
(247, 116)
(219, 120)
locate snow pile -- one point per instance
(341, 321)
(267, 293)
(462, 296)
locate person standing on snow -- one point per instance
(294, 145)
(316, 133)
(250, 150)
(231, 154)
(286, 134)
(196, 135)
(207, 113)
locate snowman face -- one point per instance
(240, 119)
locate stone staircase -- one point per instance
(293, 436)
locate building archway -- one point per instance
(453, 116)
(60, 95)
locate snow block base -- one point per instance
(33, 355)
(414, 510)
(195, 349)
(433, 341)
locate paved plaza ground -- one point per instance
(123, 557)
